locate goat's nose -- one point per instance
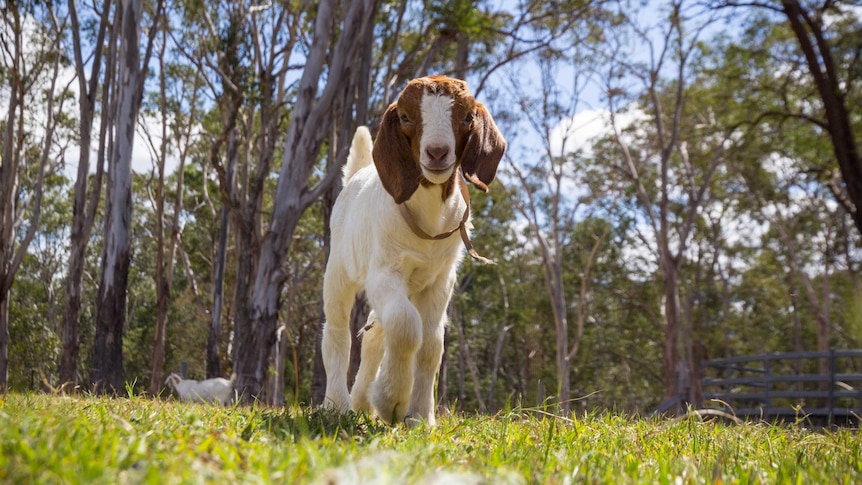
(437, 152)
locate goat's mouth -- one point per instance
(437, 175)
(440, 170)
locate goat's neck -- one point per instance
(434, 213)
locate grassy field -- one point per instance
(54, 439)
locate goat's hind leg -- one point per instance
(335, 346)
(372, 354)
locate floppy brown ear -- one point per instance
(393, 158)
(483, 151)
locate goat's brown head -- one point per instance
(435, 126)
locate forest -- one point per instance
(683, 182)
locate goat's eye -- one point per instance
(404, 118)
(468, 119)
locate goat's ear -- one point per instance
(483, 151)
(393, 158)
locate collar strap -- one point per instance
(462, 227)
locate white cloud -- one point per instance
(578, 133)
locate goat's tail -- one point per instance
(360, 154)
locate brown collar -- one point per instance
(408, 218)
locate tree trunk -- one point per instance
(213, 358)
(106, 371)
(83, 214)
(16, 197)
(4, 338)
(164, 249)
(163, 292)
(467, 357)
(561, 321)
(495, 369)
(443, 374)
(8, 182)
(318, 376)
(253, 349)
(670, 312)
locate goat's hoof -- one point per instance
(414, 420)
(336, 404)
(360, 405)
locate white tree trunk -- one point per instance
(106, 372)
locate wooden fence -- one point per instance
(820, 388)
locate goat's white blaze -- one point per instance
(437, 133)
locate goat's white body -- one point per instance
(408, 283)
(218, 389)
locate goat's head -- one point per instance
(434, 126)
(173, 380)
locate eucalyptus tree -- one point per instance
(666, 165)
(215, 40)
(311, 118)
(827, 37)
(30, 37)
(265, 117)
(175, 106)
(549, 199)
(37, 297)
(92, 91)
(788, 178)
(106, 367)
(809, 26)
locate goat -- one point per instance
(431, 139)
(218, 389)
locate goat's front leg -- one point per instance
(432, 304)
(372, 354)
(402, 337)
(338, 300)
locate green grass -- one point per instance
(92, 440)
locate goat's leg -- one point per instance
(372, 354)
(432, 305)
(335, 346)
(402, 336)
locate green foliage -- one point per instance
(50, 439)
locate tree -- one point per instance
(222, 56)
(670, 185)
(86, 196)
(809, 31)
(106, 368)
(176, 126)
(307, 129)
(30, 37)
(550, 209)
(833, 84)
(789, 164)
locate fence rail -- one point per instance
(820, 387)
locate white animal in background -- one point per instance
(395, 230)
(218, 390)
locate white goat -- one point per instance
(431, 139)
(218, 390)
